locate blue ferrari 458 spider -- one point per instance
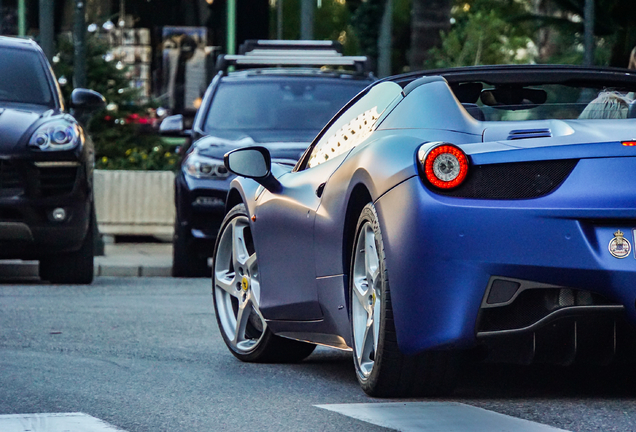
(489, 210)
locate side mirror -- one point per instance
(87, 100)
(254, 163)
(250, 162)
(172, 126)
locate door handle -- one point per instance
(320, 190)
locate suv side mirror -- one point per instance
(254, 163)
(172, 126)
(87, 100)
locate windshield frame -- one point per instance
(53, 89)
(201, 122)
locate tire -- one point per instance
(382, 370)
(74, 268)
(184, 262)
(236, 293)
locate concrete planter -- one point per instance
(134, 202)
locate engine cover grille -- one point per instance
(519, 180)
(529, 133)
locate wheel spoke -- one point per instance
(256, 307)
(371, 260)
(377, 310)
(255, 295)
(227, 282)
(242, 317)
(364, 355)
(362, 293)
(251, 265)
(239, 249)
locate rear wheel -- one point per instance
(185, 263)
(382, 370)
(72, 267)
(237, 293)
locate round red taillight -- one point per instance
(445, 166)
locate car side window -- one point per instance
(354, 125)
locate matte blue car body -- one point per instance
(441, 251)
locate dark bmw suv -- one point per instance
(46, 167)
(285, 93)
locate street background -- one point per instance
(145, 354)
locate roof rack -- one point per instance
(253, 44)
(272, 53)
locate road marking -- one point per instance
(436, 417)
(58, 422)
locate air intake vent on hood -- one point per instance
(529, 133)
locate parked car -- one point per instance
(46, 167)
(282, 108)
(484, 208)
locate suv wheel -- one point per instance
(72, 267)
(185, 263)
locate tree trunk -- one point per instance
(428, 19)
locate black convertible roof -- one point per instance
(528, 75)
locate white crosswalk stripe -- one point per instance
(436, 417)
(54, 422)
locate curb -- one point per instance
(16, 269)
(132, 271)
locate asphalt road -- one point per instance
(144, 354)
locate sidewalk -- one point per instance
(135, 259)
(120, 259)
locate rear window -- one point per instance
(23, 78)
(548, 101)
(290, 105)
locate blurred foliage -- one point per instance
(366, 22)
(160, 157)
(401, 35)
(124, 137)
(351, 22)
(485, 32)
(567, 48)
(332, 21)
(615, 30)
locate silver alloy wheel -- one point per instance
(366, 300)
(237, 289)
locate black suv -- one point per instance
(281, 107)
(46, 167)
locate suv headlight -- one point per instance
(198, 166)
(56, 135)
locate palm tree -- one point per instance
(428, 19)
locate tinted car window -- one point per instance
(288, 105)
(22, 78)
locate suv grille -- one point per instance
(23, 178)
(10, 179)
(519, 180)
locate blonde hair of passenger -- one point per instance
(607, 105)
(632, 60)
